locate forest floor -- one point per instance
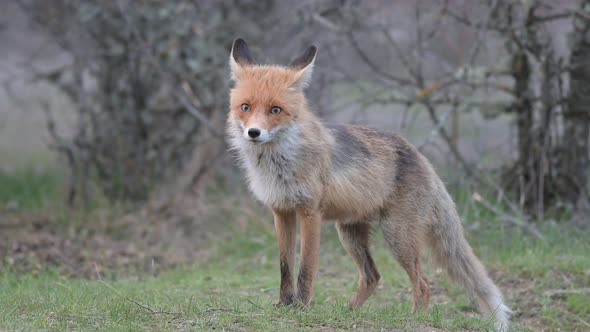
(67, 270)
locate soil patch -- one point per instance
(136, 243)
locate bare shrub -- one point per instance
(149, 80)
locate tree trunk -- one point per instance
(525, 126)
(577, 113)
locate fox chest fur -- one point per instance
(274, 171)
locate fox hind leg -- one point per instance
(404, 242)
(355, 240)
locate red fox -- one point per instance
(357, 176)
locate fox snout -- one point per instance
(253, 132)
(256, 134)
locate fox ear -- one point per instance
(239, 58)
(303, 66)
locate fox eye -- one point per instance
(275, 110)
(245, 107)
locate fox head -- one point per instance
(267, 99)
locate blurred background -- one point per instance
(112, 115)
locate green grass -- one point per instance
(28, 188)
(236, 288)
(234, 291)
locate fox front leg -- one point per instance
(310, 252)
(285, 228)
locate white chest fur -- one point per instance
(271, 170)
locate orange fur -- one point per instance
(263, 88)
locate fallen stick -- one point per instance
(561, 292)
(215, 309)
(155, 312)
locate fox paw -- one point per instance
(294, 304)
(287, 301)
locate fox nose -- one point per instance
(253, 132)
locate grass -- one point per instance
(236, 287)
(236, 290)
(28, 188)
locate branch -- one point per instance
(477, 25)
(558, 16)
(403, 59)
(326, 22)
(215, 309)
(508, 218)
(452, 146)
(184, 99)
(561, 292)
(155, 312)
(436, 130)
(374, 67)
(254, 304)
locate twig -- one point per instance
(447, 138)
(96, 270)
(254, 304)
(405, 61)
(437, 128)
(155, 312)
(561, 292)
(192, 110)
(477, 25)
(509, 218)
(575, 316)
(373, 66)
(481, 34)
(142, 306)
(84, 316)
(326, 22)
(216, 309)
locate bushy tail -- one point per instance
(452, 252)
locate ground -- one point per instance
(66, 270)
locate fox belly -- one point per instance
(361, 178)
(352, 197)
